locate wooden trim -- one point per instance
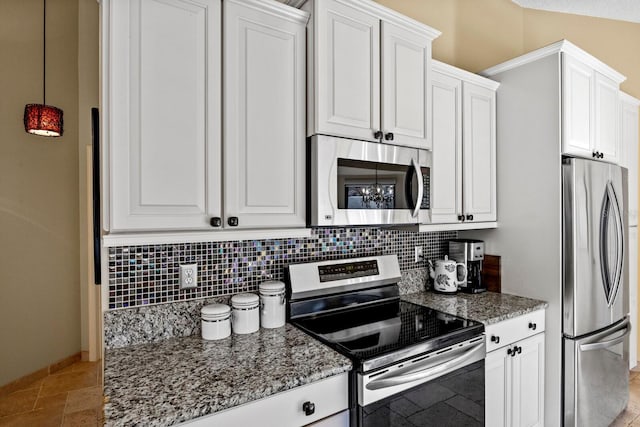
(23, 383)
(67, 361)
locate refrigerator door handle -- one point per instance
(620, 240)
(610, 203)
(597, 344)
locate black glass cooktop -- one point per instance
(365, 333)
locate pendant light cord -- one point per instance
(44, 52)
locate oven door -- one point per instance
(445, 387)
(366, 183)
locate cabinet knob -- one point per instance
(389, 136)
(594, 154)
(519, 349)
(470, 217)
(377, 134)
(216, 221)
(532, 326)
(510, 352)
(495, 339)
(460, 217)
(309, 408)
(233, 221)
(601, 156)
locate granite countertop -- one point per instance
(487, 307)
(180, 379)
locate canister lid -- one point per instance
(271, 287)
(244, 300)
(215, 310)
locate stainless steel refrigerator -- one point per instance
(595, 307)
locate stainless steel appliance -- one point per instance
(413, 366)
(595, 301)
(365, 183)
(469, 252)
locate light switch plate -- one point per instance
(188, 276)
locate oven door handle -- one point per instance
(431, 368)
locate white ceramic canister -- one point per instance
(245, 313)
(216, 321)
(272, 304)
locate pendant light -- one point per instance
(42, 119)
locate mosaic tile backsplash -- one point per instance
(144, 275)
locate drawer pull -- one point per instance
(495, 339)
(533, 326)
(309, 408)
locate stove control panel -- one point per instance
(332, 272)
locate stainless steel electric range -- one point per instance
(413, 366)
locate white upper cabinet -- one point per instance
(406, 61)
(348, 52)
(629, 157)
(464, 146)
(368, 73)
(162, 119)
(607, 118)
(590, 103)
(446, 181)
(264, 102)
(161, 90)
(577, 100)
(479, 141)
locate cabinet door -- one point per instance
(479, 146)
(528, 383)
(446, 175)
(577, 103)
(162, 99)
(607, 101)
(629, 159)
(406, 62)
(497, 369)
(348, 77)
(264, 93)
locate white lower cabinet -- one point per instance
(514, 376)
(329, 398)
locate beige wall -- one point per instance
(39, 288)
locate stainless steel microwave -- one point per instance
(366, 183)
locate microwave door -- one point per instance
(364, 183)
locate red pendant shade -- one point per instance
(43, 120)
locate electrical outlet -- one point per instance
(418, 254)
(188, 276)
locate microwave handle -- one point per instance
(418, 171)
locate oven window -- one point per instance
(455, 399)
(372, 185)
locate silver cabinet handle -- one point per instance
(430, 369)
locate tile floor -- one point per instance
(631, 416)
(70, 397)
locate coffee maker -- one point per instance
(469, 252)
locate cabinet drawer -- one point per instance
(285, 409)
(512, 330)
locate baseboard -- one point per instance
(22, 382)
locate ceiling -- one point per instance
(622, 10)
